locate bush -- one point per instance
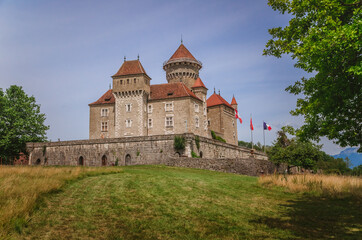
(194, 155)
(214, 136)
(197, 142)
(179, 143)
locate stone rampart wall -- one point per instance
(250, 166)
(132, 151)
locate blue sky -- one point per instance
(64, 52)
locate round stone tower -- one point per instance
(182, 67)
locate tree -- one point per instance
(20, 122)
(324, 37)
(294, 152)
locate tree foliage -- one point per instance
(305, 154)
(20, 122)
(325, 39)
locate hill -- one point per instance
(352, 154)
(158, 202)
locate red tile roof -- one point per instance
(233, 101)
(182, 52)
(105, 99)
(171, 90)
(198, 83)
(130, 68)
(215, 100)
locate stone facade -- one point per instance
(137, 108)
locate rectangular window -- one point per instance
(197, 124)
(169, 107)
(169, 121)
(104, 112)
(150, 108)
(121, 82)
(104, 127)
(196, 107)
(150, 123)
(128, 123)
(128, 107)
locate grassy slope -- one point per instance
(155, 202)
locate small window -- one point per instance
(169, 107)
(150, 108)
(104, 112)
(196, 107)
(208, 122)
(128, 107)
(104, 126)
(121, 82)
(169, 121)
(127, 81)
(204, 111)
(150, 124)
(128, 123)
(197, 124)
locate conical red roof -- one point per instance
(130, 68)
(198, 83)
(233, 101)
(215, 100)
(182, 52)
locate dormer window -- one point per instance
(170, 94)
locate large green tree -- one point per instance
(20, 122)
(325, 39)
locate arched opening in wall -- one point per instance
(200, 154)
(81, 161)
(37, 162)
(104, 160)
(177, 154)
(128, 160)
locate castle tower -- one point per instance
(182, 67)
(131, 88)
(234, 104)
(200, 90)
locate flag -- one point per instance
(237, 116)
(251, 124)
(267, 126)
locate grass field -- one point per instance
(157, 202)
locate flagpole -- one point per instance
(264, 136)
(252, 147)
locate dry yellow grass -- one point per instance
(21, 187)
(326, 185)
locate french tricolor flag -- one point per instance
(267, 126)
(237, 116)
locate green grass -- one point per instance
(157, 202)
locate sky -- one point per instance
(65, 52)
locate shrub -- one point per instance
(197, 142)
(214, 136)
(116, 163)
(179, 143)
(194, 155)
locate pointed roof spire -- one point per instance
(138, 56)
(124, 59)
(182, 52)
(181, 39)
(233, 101)
(198, 83)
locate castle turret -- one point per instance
(199, 89)
(131, 88)
(234, 104)
(182, 67)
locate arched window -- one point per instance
(81, 161)
(104, 160)
(128, 160)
